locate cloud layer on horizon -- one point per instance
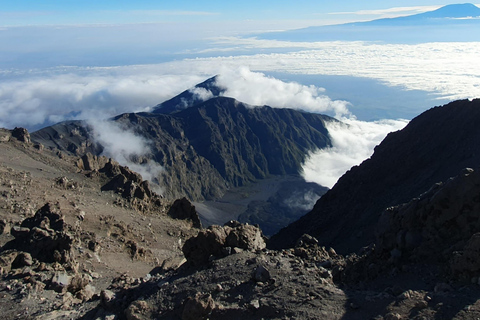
(447, 69)
(36, 97)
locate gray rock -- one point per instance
(261, 274)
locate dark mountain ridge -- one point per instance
(212, 146)
(433, 147)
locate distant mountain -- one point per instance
(211, 146)
(456, 22)
(442, 15)
(433, 147)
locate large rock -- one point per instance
(440, 226)
(215, 242)
(44, 236)
(21, 134)
(184, 210)
(91, 162)
(198, 307)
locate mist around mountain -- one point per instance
(451, 23)
(211, 149)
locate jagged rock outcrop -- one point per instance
(21, 134)
(441, 226)
(41, 256)
(44, 236)
(433, 147)
(91, 162)
(74, 137)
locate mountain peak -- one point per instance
(188, 98)
(463, 10)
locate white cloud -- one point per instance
(123, 145)
(201, 93)
(391, 12)
(46, 99)
(447, 69)
(353, 141)
(257, 89)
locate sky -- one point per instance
(280, 13)
(67, 59)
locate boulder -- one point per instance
(198, 249)
(182, 209)
(246, 237)
(21, 134)
(5, 135)
(261, 274)
(198, 307)
(23, 259)
(44, 236)
(215, 241)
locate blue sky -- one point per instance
(280, 12)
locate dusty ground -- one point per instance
(307, 282)
(29, 178)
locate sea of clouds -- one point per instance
(34, 98)
(35, 101)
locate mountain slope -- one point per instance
(212, 146)
(450, 23)
(193, 96)
(434, 146)
(441, 15)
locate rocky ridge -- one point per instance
(433, 147)
(63, 241)
(219, 272)
(209, 147)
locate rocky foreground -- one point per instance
(85, 238)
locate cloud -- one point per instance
(353, 141)
(201, 93)
(447, 69)
(122, 144)
(41, 100)
(391, 12)
(257, 89)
